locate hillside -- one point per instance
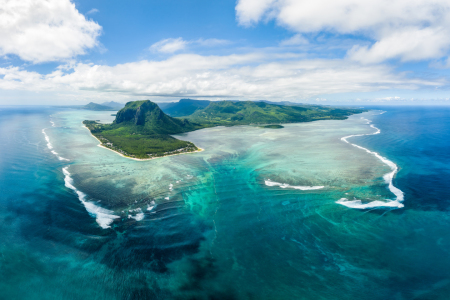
(141, 130)
(184, 107)
(230, 113)
(95, 106)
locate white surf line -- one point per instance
(268, 182)
(50, 146)
(387, 177)
(104, 217)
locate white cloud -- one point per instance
(92, 11)
(251, 11)
(174, 45)
(45, 30)
(211, 42)
(250, 76)
(405, 29)
(392, 98)
(169, 45)
(408, 44)
(296, 40)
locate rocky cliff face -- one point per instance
(148, 114)
(137, 112)
(147, 111)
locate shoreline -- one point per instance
(139, 159)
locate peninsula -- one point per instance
(142, 130)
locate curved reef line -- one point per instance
(388, 177)
(139, 159)
(50, 146)
(103, 216)
(269, 182)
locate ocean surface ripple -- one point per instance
(211, 225)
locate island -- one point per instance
(105, 106)
(142, 130)
(95, 106)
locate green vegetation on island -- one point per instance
(142, 130)
(230, 113)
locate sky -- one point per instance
(62, 52)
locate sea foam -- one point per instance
(373, 204)
(104, 217)
(268, 182)
(139, 216)
(388, 178)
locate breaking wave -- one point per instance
(268, 182)
(50, 146)
(388, 177)
(104, 217)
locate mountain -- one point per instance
(95, 106)
(248, 112)
(113, 104)
(184, 107)
(286, 103)
(152, 119)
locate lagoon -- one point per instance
(207, 225)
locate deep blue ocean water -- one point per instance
(228, 237)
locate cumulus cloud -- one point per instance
(407, 44)
(251, 11)
(250, 76)
(404, 29)
(45, 30)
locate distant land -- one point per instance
(111, 105)
(95, 106)
(142, 130)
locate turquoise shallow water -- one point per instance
(211, 225)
